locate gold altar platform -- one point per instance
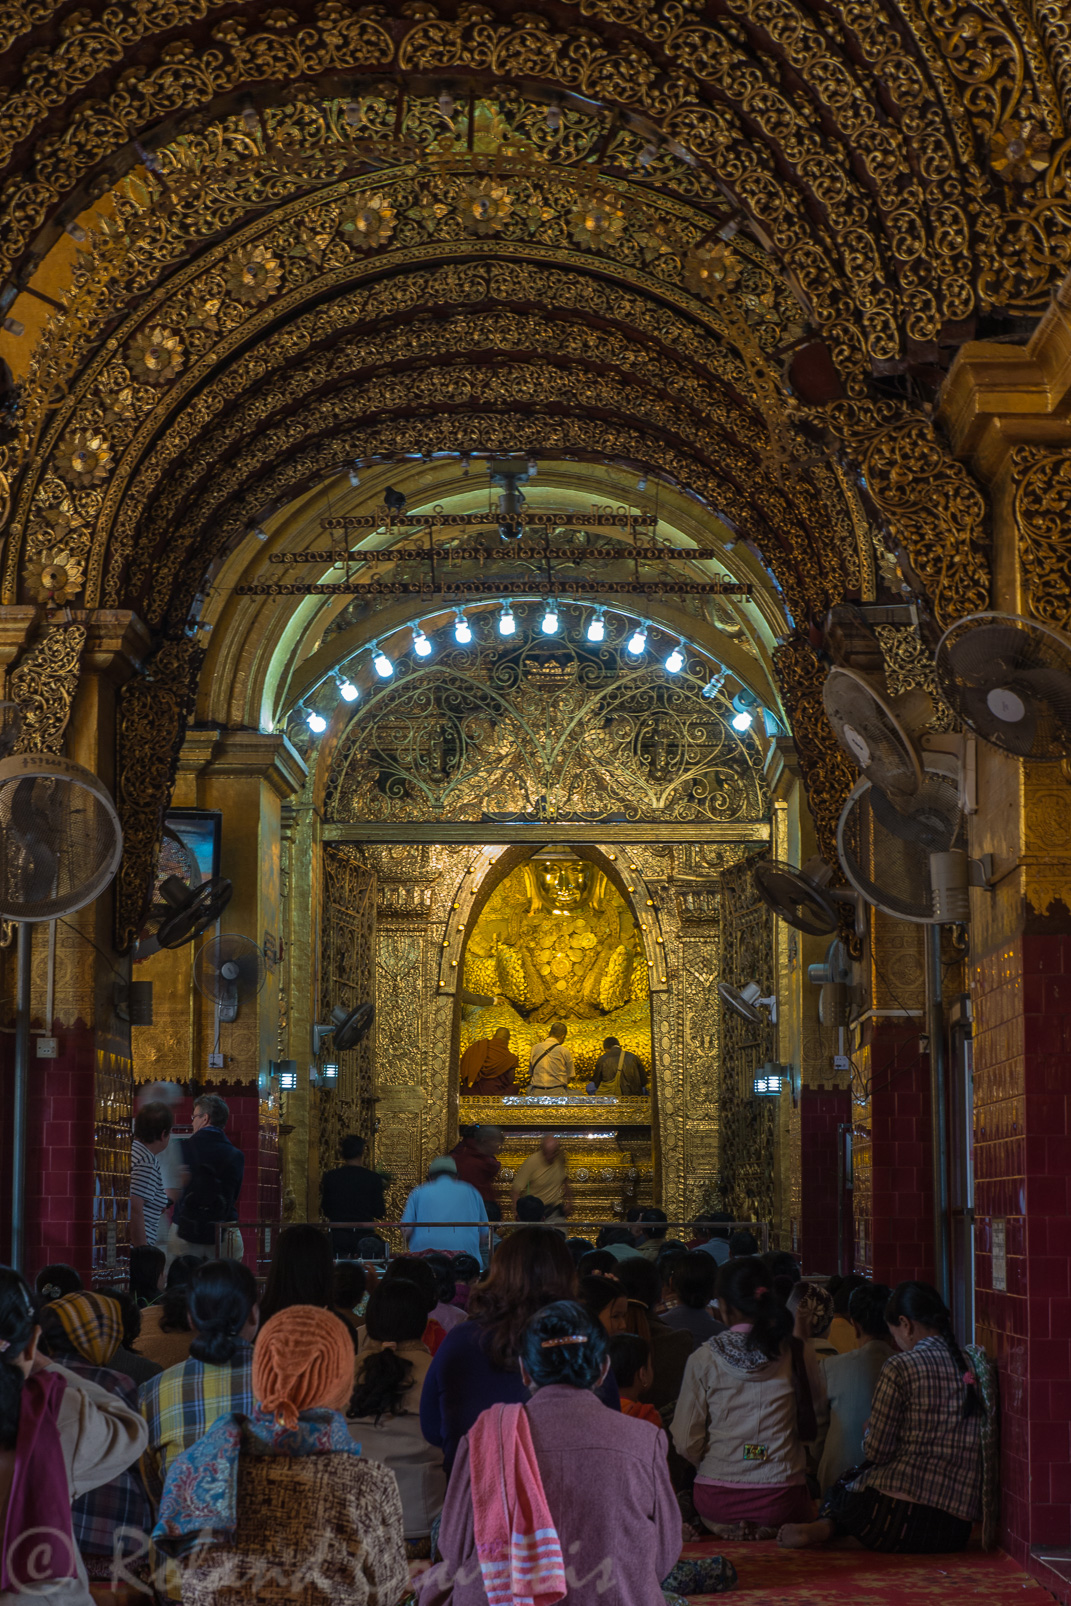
(607, 1141)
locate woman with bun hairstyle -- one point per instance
(560, 1488)
(384, 1413)
(60, 1436)
(183, 1402)
(750, 1401)
(919, 1488)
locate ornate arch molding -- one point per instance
(872, 175)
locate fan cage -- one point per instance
(60, 838)
(891, 868)
(788, 893)
(984, 652)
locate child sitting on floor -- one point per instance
(630, 1362)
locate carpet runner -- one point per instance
(770, 1576)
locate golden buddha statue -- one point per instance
(557, 942)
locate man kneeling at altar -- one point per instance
(487, 1067)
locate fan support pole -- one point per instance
(22, 1078)
(938, 1077)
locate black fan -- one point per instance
(1009, 680)
(229, 970)
(797, 897)
(877, 732)
(193, 909)
(346, 1028)
(744, 1001)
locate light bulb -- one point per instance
(742, 721)
(637, 642)
(597, 627)
(347, 690)
(382, 665)
(713, 686)
(675, 661)
(462, 630)
(316, 722)
(355, 477)
(550, 620)
(554, 118)
(507, 623)
(446, 104)
(421, 644)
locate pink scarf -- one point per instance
(38, 1542)
(516, 1540)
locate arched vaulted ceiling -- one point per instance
(731, 244)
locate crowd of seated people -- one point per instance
(422, 1429)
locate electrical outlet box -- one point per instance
(841, 1062)
(215, 1062)
(47, 1048)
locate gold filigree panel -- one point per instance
(541, 730)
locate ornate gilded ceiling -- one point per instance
(728, 243)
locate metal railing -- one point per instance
(258, 1237)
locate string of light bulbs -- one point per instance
(745, 704)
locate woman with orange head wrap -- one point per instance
(284, 1494)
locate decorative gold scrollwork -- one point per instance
(1042, 482)
(43, 684)
(154, 709)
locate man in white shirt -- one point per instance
(148, 1196)
(550, 1063)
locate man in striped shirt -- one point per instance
(148, 1196)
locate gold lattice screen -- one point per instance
(747, 1122)
(347, 978)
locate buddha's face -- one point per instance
(563, 883)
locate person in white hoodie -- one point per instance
(751, 1400)
(60, 1436)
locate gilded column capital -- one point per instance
(999, 397)
(16, 628)
(271, 757)
(116, 640)
(196, 752)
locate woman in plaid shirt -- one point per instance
(920, 1487)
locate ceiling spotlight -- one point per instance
(714, 685)
(353, 112)
(462, 630)
(421, 644)
(637, 642)
(355, 477)
(507, 623)
(549, 623)
(675, 661)
(744, 704)
(382, 664)
(554, 118)
(250, 119)
(316, 722)
(597, 626)
(347, 690)
(533, 467)
(648, 154)
(641, 483)
(446, 104)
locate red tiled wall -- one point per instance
(1022, 1129)
(60, 1120)
(821, 1113)
(892, 1203)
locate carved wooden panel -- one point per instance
(747, 1122)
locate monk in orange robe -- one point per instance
(487, 1067)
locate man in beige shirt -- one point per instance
(545, 1175)
(550, 1063)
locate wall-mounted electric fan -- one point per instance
(1009, 680)
(346, 1028)
(60, 838)
(914, 865)
(799, 897)
(746, 1002)
(879, 732)
(60, 846)
(230, 971)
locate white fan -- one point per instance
(878, 733)
(913, 866)
(746, 1001)
(60, 837)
